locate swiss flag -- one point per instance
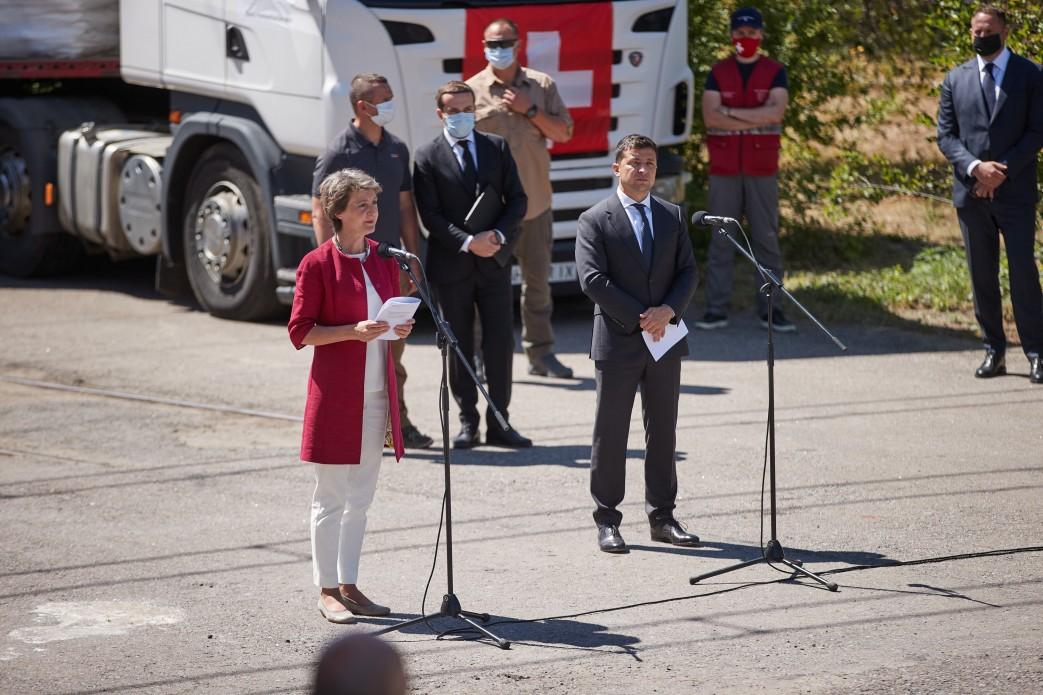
(573, 44)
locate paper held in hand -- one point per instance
(396, 311)
(673, 335)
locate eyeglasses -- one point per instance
(504, 43)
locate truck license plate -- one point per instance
(564, 271)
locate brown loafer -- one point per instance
(372, 610)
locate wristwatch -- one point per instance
(532, 111)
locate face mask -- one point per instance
(987, 45)
(459, 125)
(385, 113)
(500, 58)
(746, 47)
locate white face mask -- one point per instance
(459, 125)
(385, 113)
(500, 58)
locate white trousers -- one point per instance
(342, 497)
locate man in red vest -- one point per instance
(744, 101)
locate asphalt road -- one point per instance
(154, 534)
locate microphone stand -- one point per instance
(450, 607)
(773, 551)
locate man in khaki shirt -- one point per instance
(523, 106)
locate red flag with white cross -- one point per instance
(573, 44)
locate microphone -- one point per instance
(388, 251)
(703, 217)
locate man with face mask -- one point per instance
(522, 105)
(471, 267)
(990, 127)
(365, 144)
(744, 101)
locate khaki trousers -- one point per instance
(533, 252)
(397, 348)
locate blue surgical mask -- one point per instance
(385, 112)
(459, 125)
(500, 58)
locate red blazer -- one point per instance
(331, 291)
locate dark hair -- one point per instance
(452, 87)
(359, 665)
(503, 20)
(634, 142)
(362, 85)
(992, 11)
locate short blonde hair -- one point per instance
(336, 190)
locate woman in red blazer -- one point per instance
(352, 404)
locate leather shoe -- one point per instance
(340, 617)
(548, 365)
(610, 540)
(994, 364)
(373, 610)
(509, 438)
(1036, 369)
(468, 437)
(671, 531)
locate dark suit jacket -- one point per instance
(1012, 136)
(443, 203)
(611, 272)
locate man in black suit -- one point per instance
(471, 267)
(990, 126)
(634, 260)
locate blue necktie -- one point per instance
(646, 237)
(988, 85)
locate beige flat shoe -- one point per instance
(339, 617)
(373, 610)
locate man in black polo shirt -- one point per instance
(365, 144)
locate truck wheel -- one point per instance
(226, 240)
(30, 241)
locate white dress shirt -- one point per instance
(634, 214)
(999, 69)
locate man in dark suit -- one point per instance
(471, 267)
(990, 126)
(634, 260)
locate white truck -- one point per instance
(193, 136)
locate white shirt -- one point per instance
(636, 222)
(376, 367)
(999, 69)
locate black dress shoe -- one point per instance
(671, 531)
(994, 364)
(468, 437)
(510, 439)
(1036, 369)
(610, 541)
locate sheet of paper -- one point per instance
(396, 311)
(674, 334)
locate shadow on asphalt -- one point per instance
(742, 553)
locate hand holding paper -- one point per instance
(395, 312)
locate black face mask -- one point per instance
(987, 45)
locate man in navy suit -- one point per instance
(634, 260)
(470, 267)
(990, 126)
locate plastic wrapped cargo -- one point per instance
(59, 29)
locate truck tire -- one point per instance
(31, 242)
(226, 238)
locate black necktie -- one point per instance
(470, 172)
(988, 85)
(646, 237)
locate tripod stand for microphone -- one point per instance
(772, 552)
(450, 607)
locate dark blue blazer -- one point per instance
(1013, 135)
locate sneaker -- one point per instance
(779, 322)
(710, 321)
(412, 438)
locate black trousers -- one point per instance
(617, 384)
(491, 293)
(982, 222)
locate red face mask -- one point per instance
(746, 47)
